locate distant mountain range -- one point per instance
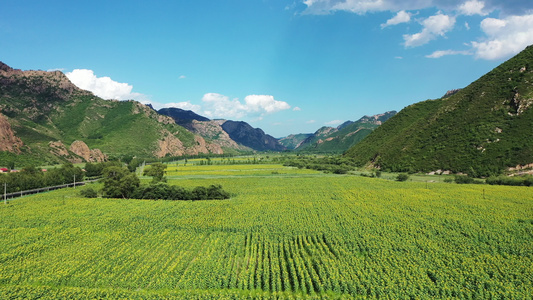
(336, 140)
(480, 130)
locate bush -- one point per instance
(461, 179)
(89, 193)
(516, 180)
(402, 177)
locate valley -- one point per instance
(285, 233)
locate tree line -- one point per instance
(120, 182)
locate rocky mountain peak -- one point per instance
(5, 68)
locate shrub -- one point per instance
(462, 179)
(402, 177)
(89, 193)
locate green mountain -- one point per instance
(480, 130)
(44, 118)
(340, 139)
(292, 141)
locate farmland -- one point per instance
(285, 234)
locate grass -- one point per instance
(306, 236)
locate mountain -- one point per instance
(44, 118)
(254, 138)
(340, 139)
(480, 130)
(293, 141)
(210, 130)
(181, 116)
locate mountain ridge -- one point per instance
(43, 114)
(480, 130)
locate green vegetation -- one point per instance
(515, 180)
(481, 130)
(297, 236)
(47, 108)
(32, 178)
(402, 177)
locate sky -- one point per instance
(285, 66)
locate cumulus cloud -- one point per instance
(441, 53)
(433, 27)
(505, 37)
(184, 105)
(103, 87)
(264, 104)
(473, 7)
(518, 7)
(220, 106)
(401, 17)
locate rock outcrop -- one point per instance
(81, 149)
(172, 146)
(8, 140)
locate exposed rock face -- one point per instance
(451, 93)
(8, 141)
(58, 149)
(171, 145)
(379, 118)
(255, 138)
(214, 132)
(81, 149)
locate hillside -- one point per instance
(480, 130)
(254, 138)
(44, 118)
(210, 130)
(340, 139)
(181, 116)
(294, 140)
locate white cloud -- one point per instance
(311, 122)
(220, 106)
(182, 77)
(334, 122)
(296, 109)
(469, 7)
(264, 104)
(401, 17)
(505, 37)
(433, 27)
(103, 87)
(473, 7)
(467, 26)
(184, 105)
(56, 69)
(398, 57)
(441, 53)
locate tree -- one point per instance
(119, 182)
(402, 177)
(157, 171)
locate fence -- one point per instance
(44, 189)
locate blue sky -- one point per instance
(284, 66)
